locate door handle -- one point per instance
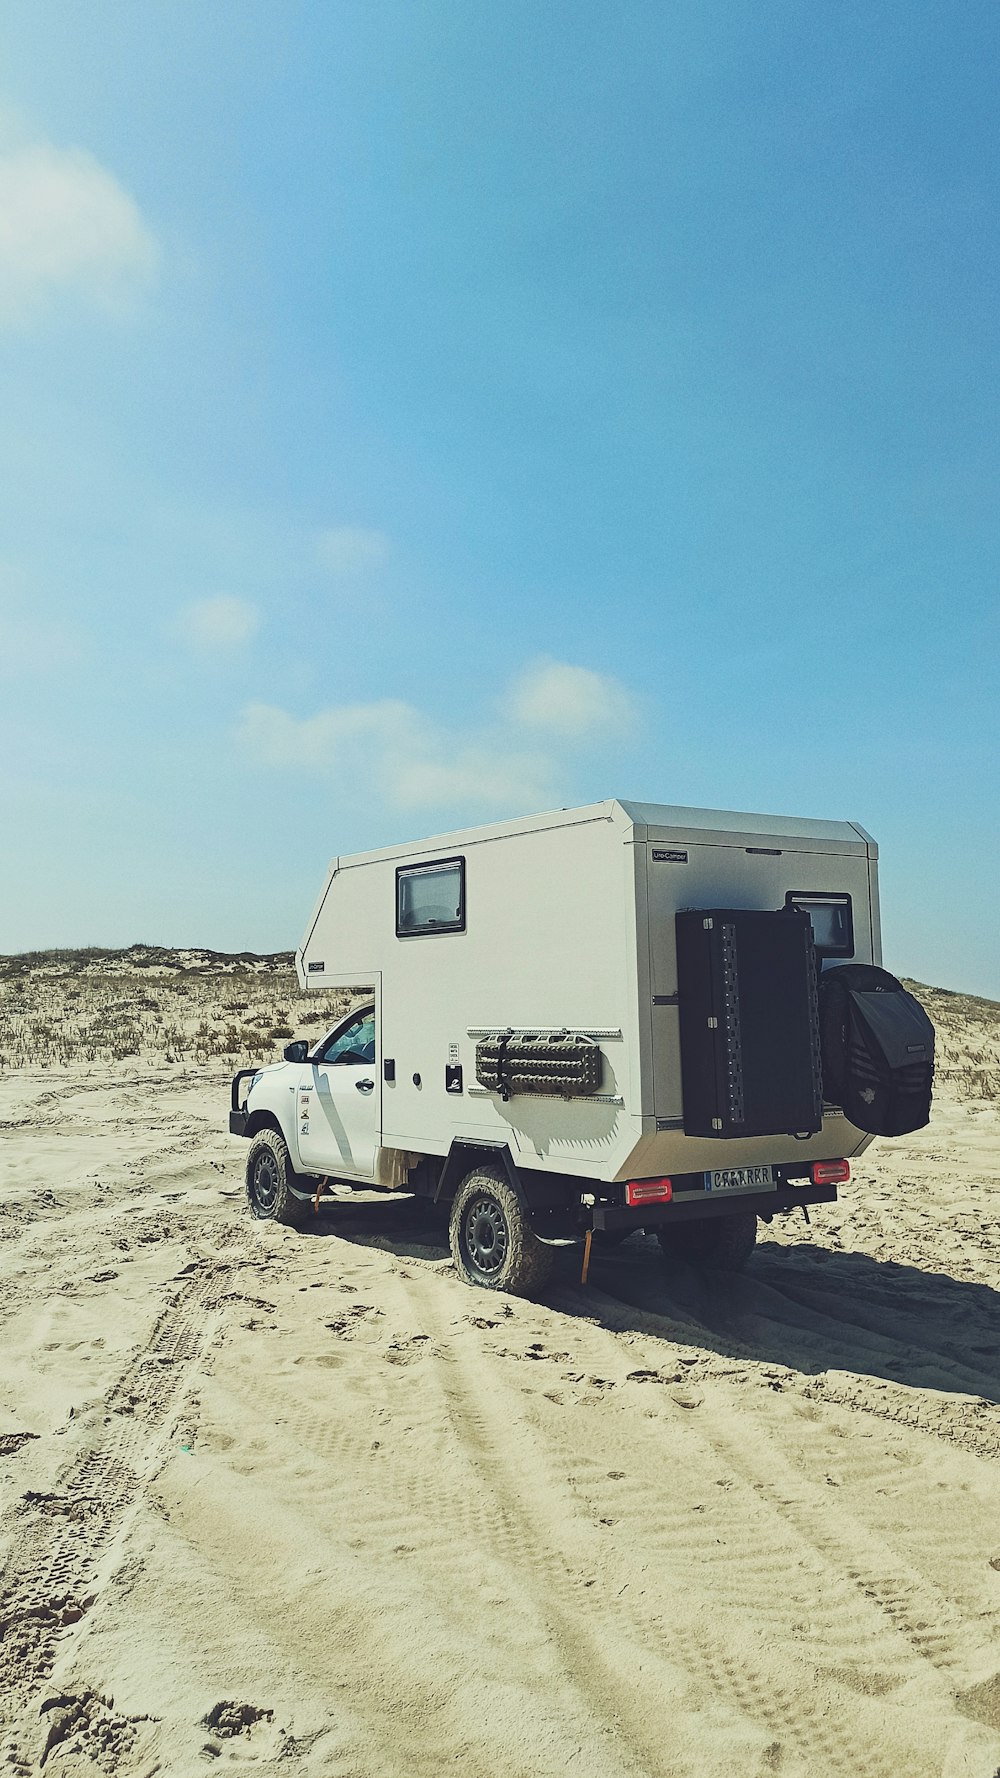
(365, 1086)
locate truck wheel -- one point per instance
(492, 1243)
(269, 1175)
(723, 1243)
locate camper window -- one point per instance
(832, 924)
(430, 898)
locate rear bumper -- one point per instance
(767, 1204)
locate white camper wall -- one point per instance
(721, 874)
(549, 942)
(570, 923)
(689, 867)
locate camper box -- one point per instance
(598, 1020)
(606, 931)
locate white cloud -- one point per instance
(326, 740)
(67, 225)
(414, 761)
(29, 642)
(470, 777)
(31, 645)
(221, 622)
(348, 550)
(569, 701)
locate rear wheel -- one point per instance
(269, 1178)
(492, 1243)
(721, 1243)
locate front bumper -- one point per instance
(239, 1117)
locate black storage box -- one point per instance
(749, 1025)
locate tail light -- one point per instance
(648, 1191)
(830, 1172)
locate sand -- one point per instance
(303, 1502)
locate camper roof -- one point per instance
(723, 826)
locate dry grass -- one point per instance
(163, 1005)
(152, 1004)
(967, 1050)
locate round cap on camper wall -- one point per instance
(416, 1080)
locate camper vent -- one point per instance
(558, 1064)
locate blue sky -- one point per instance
(417, 411)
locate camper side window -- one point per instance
(430, 898)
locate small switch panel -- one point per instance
(453, 1077)
(389, 1068)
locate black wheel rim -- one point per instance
(264, 1184)
(485, 1237)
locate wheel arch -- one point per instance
(264, 1120)
(546, 1199)
(464, 1154)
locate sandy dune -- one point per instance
(305, 1503)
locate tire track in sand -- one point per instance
(503, 1448)
(933, 1625)
(64, 1542)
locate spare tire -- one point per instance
(878, 1050)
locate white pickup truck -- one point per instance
(594, 1020)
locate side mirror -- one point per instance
(297, 1051)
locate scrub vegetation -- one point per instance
(967, 1047)
(154, 1004)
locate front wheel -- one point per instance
(269, 1178)
(721, 1243)
(492, 1243)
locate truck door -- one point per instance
(337, 1102)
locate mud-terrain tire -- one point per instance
(269, 1176)
(492, 1243)
(720, 1243)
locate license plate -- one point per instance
(740, 1179)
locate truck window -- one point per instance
(353, 1043)
(430, 898)
(832, 921)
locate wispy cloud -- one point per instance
(67, 225)
(30, 643)
(277, 739)
(219, 622)
(413, 761)
(561, 699)
(409, 760)
(474, 777)
(347, 550)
